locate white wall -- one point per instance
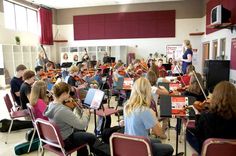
(144, 46)
(223, 33)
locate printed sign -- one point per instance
(174, 51)
(178, 106)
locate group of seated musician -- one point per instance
(139, 117)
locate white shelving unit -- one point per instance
(94, 52)
(13, 55)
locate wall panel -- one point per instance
(153, 24)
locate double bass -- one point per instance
(46, 60)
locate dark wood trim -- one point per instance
(196, 34)
(60, 40)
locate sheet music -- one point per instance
(97, 99)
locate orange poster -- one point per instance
(178, 106)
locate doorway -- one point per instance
(214, 49)
(206, 49)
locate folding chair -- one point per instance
(33, 118)
(50, 135)
(13, 114)
(14, 101)
(219, 147)
(126, 145)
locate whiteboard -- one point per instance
(174, 51)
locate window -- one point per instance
(9, 15)
(32, 20)
(222, 46)
(20, 18)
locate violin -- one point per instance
(77, 78)
(71, 103)
(43, 75)
(122, 72)
(89, 73)
(144, 67)
(201, 106)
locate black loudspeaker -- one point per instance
(216, 71)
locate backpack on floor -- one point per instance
(17, 125)
(22, 148)
(101, 148)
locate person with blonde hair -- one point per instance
(187, 57)
(71, 127)
(76, 82)
(38, 98)
(219, 121)
(139, 119)
(156, 91)
(41, 60)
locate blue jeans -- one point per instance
(159, 149)
(79, 138)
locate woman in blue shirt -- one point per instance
(139, 119)
(187, 57)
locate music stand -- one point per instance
(112, 59)
(78, 63)
(93, 63)
(66, 65)
(93, 100)
(167, 104)
(167, 66)
(105, 72)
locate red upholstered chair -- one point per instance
(51, 139)
(219, 147)
(14, 100)
(13, 114)
(127, 145)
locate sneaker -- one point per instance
(97, 133)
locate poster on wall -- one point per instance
(66, 57)
(75, 57)
(174, 51)
(233, 54)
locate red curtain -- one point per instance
(45, 17)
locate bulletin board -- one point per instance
(174, 51)
(233, 54)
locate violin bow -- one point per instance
(195, 75)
